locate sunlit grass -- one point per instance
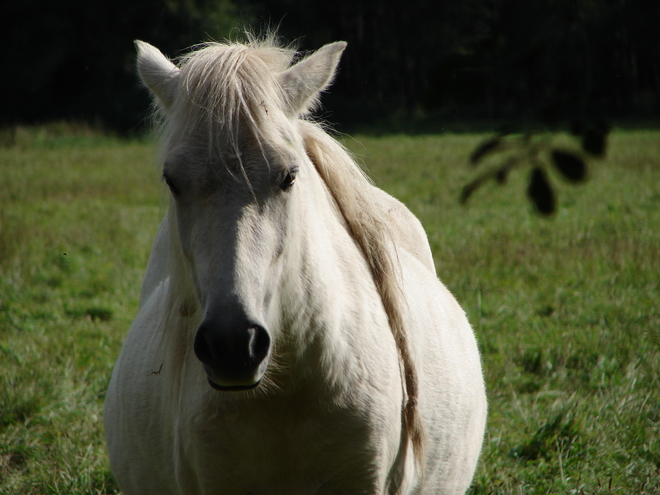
(566, 309)
(77, 217)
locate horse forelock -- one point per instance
(226, 91)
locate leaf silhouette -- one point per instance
(570, 165)
(486, 148)
(502, 173)
(469, 189)
(594, 141)
(540, 192)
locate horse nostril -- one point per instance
(259, 344)
(203, 345)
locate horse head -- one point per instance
(232, 160)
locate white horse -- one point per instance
(293, 337)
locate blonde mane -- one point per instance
(352, 192)
(225, 87)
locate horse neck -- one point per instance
(328, 282)
(327, 254)
(379, 279)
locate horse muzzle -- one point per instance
(235, 357)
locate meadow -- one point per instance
(566, 309)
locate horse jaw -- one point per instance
(157, 72)
(304, 82)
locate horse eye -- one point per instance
(173, 189)
(288, 181)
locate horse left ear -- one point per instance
(303, 82)
(157, 72)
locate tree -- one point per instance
(75, 59)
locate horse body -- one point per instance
(263, 359)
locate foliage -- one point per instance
(549, 61)
(552, 61)
(76, 59)
(565, 311)
(536, 152)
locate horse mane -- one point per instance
(352, 193)
(226, 86)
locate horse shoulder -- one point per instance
(406, 229)
(134, 405)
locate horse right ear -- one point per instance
(304, 81)
(157, 72)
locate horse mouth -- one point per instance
(232, 388)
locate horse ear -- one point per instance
(304, 81)
(157, 72)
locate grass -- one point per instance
(77, 217)
(566, 310)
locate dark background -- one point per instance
(552, 62)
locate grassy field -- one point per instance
(566, 310)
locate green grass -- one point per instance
(566, 310)
(77, 217)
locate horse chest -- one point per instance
(293, 450)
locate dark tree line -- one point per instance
(554, 61)
(75, 59)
